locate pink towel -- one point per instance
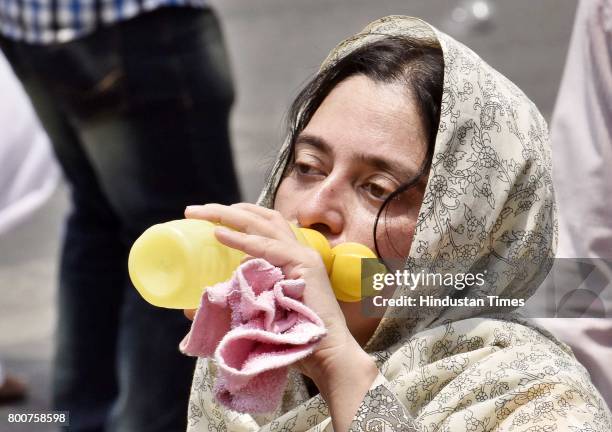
(254, 326)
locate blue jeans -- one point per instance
(138, 116)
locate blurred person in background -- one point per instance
(135, 97)
(581, 134)
(28, 177)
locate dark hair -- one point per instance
(417, 64)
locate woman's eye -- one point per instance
(305, 169)
(376, 191)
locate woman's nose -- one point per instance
(322, 210)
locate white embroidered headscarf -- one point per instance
(488, 205)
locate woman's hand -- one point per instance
(264, 233)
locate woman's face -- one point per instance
(364, 141)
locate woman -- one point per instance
(408, 143)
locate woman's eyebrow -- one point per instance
(314, 141)
(382, 164)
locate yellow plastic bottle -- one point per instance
(171, 263)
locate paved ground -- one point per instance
(275, 46)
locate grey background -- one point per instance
(275, 46)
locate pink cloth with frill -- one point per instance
(254, 326)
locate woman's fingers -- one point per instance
(276, 252)
(243, 217)
(297, 262)
(259, 210)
